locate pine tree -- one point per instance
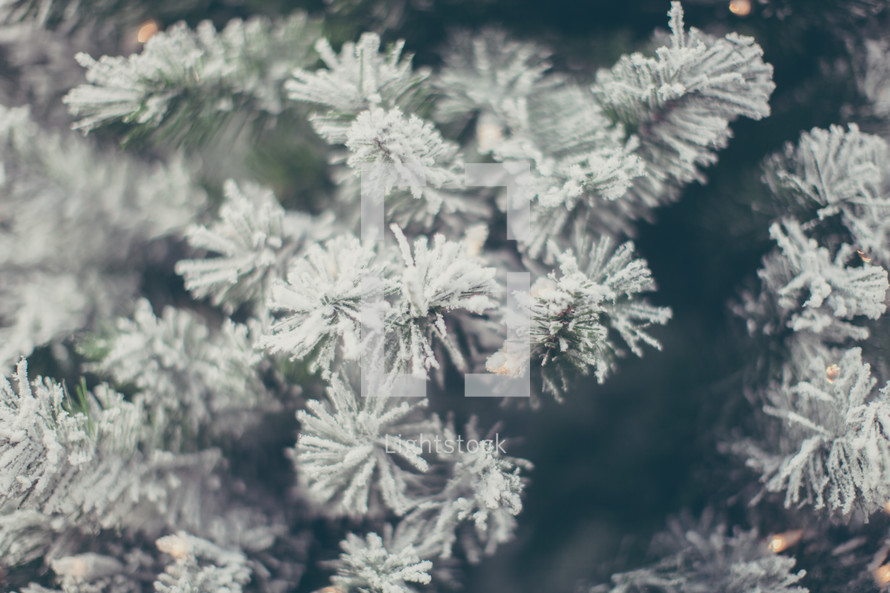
(236, 159)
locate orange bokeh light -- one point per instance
(147, 30)
(740, 7)
(782, 541)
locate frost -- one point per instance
(435, 279)
(680, 102)
(186, 445)
(360, 78)
(493, 74)
(371, 566)
(484, 490)
(83, 461)
(574, 311)
(201, 566)
(254, 239)
(837, 176)
(187, 83)
(398, 150)
(833, 451)
(839, 172)
(351, 449)
(706, 558)
(25, 536)
(579, 156)
(820, 294)
(43, 444)
(830, 167)
(318, 305)
(55, 281)
(525, 114)
(189, 379)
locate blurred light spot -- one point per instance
(489, 132)
(782, 541)
(832, 373)
(175, 545)
(882, 575)
(740, 7)
(78, 567)
(147, 30)
(474, 239)
(502, 363)
(863, 256)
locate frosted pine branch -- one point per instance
(468, 499)
(680, 102)
(492, 75)
(186, 83)
(46, 443)
(391, 150)
(483, 495)
(435, 280)
(86, 482)
(579, 156)
(254, 240)
(566, 181)
(838, 172)
(83, 464)
(833, 451)
(353, 452)
(200, 565)
(26, 535)
(820, 294)
(318, 305)
(707, 558)
(574, 311)
(625, 277)
(191, 381)
(372, 566)
(54, 280)
(360, 78)
(828, 168)
(249, 237)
